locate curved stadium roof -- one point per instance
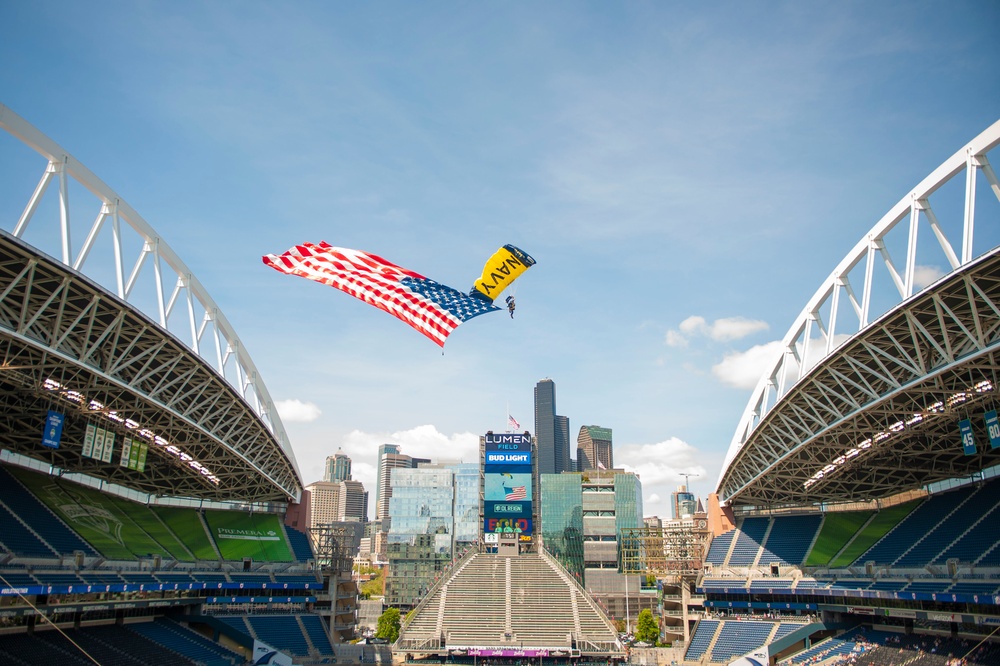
(867, 414)
(141, 351)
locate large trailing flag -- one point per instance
(428, 306)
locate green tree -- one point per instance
(646, 629)
(388, 625)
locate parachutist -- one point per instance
(510, 306)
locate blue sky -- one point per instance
(685, 174)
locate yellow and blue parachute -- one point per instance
(506, 265)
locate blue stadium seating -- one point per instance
(912, 528)
(751, 534)
(182, 640)
(945, 532)
(790, 539)
(299, 541)
(317, 633)
(720, 546)
(739, 637)
(53, 531)
(281, 632)
(19, 540)
(703, 634)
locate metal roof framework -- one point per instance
(881, 415)
(860, 416)
(146, 359)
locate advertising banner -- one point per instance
(53, 429)
(968, 439)
(993, 428)
(508, 487)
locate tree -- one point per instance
(646, 629)
(388, 625)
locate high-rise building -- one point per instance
(338, 467)
(324, 503)
(583, 516)
(435, 516)
(551, 431)
(593, 449)
(336, 501)
(383, 477)
(683, 503)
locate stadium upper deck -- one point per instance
(152, 387)
(908, 398)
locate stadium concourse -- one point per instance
(146, 480)
(855, 517)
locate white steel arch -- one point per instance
(177, 292)
(848, 292)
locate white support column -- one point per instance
(866, 295)
(191, 319)
(116, 242)
(67, 251)
(36, 197)
(911, 247)
(159, 282)
(970, 208)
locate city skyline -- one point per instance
(685, 176)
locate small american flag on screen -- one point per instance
(516, 493)
(428, 306)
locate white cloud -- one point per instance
(296, 411)
(926, 275)
(661, 467)
(743, 369)
(675, 339)
(692, 325)
(735, 328)
(721, 330)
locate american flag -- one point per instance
(428, 306)
(516, 493)
(512, 422)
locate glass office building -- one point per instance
(435, 517)
(583, 515)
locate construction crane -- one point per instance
(687, 483)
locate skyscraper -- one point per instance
(338, 467)
(683, 502)
(551, 431)
(593, 449)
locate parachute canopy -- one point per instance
(432, 308)
(505, 266)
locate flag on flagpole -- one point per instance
(428, 306)
(512, 422)
(600, 465)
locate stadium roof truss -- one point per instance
(106, 357)
(860, 417)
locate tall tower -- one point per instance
(683, 502)
(382, 480)
(594, 449)
(551, 430)
(338, 467)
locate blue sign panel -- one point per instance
(993, 428)
(507, 509)
(53, 429)
(968, 439)
(508, 458)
